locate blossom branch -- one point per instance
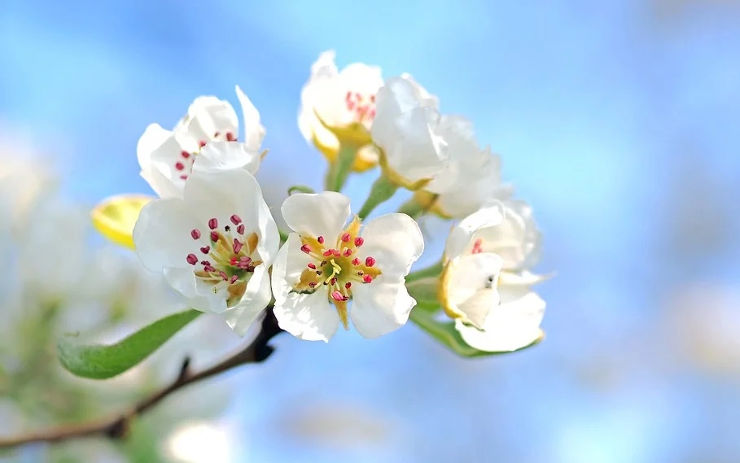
(117, 427)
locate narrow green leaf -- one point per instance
(447, 335)
(105, 361)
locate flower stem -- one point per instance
(431, 271)
(381, 191)
(412, 208)
(340, 169)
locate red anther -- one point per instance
(179, 165)
(348, 96)
(348, 285)
(328, 252)
(233, 279)
(347, 252)
(195, 233)
(223, 275)
(312, 266)
(184, 154)
(205, 249)
(356, 261)
(183, 177)
(230, 136)
(359, 241)
(235, 219)
(192, 259)
(333, 281)
(477, 249)
(213, 223)
(201, 143)
(305, 249)
(336, 252)
(240, 229)
(312, 284)
(237, 246)
(320, 239)
(233, 261)
(337, 296)
(216, 134)
(372, 114)
(367, 279)
(369, 261)
(346, 237)
(214, 236)
(372, 98)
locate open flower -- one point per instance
(407, 128)
(338, 105)
(471, 178)
(485, 282)
(215, 245)
(325, 262)
(166, 157)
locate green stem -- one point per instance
(431, 271)
(340, 169)
(412, 208)
(381, 191)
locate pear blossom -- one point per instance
(208, 132)
(326, 262)
(407, 127)
(485, 284)
(214, 245)
(471, 179)
(340, 101)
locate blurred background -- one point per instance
(616, 120)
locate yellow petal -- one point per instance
(116, 216)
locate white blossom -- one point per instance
(325, 262)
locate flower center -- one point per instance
(184, 162)
(336, 266)
(228, 257)
(363, 106)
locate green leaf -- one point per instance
(446, 334)
(105, 361)
(381, 191)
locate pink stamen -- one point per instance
(305, 249)
(348, 285)
(312, 266)
(312, 284)
(359, 241)
(195, 233)
(367, 279)
(237, 246)
(346, 237)
(337, 296)
(184, 154)
(230, 136)
(336, 252)
(205, 249)
(320, 239)
(213, 223)
(347, 252)
(369, 261)
(201, 143)
(192, 259)
(179, 165)
(240, 229)
(235, 219)
(477, 248)
(356, 261)
(214, 236)
(233, 279)
(328, 252)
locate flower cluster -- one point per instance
(216, 242)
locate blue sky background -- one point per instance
(616, 120)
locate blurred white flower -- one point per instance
(325, 262)
(215, 245)
(407, 128)
(200, 442)
(342, 100)
(208, 133)
(471, 178)
(485, 282)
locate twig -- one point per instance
(117, 427)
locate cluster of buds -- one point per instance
(214, 238)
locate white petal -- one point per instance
(395, 241)
(306, 316)
(512, 325)
(157, 152)
(223, 193)
(320, 214)
(469, 286)
(322, 70)
(461, 235)
(516, 239)
(199, 296)
(162, 234)
(255, 299)
(225, 155)
(254, 131)
(206, 116)
(380, 307)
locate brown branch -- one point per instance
(117, 427)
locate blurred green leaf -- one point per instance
(105, 361)
(300, 189)
(446, 334)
